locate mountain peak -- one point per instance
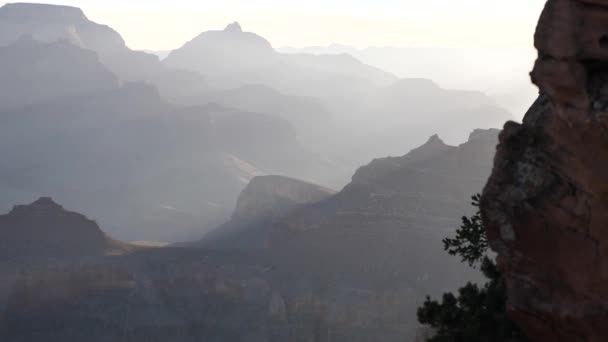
(45, 229)
(382, 167)
(435, 139)
(41, 205)
(234, 27)
(45, 202)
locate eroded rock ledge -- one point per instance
(546, 204)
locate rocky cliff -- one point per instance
(545, 206)
(264, 201)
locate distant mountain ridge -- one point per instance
(121, 152)
(52, 23)
(233, 57)
(384, 166)
(173, 146)
(372, 105)
(228, 51)
(451, 67)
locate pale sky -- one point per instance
(168, 24)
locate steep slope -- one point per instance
(264, 201)
(44, 229)
(545, 205)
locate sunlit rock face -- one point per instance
(267, 196)
(264, 201)
(545, 206)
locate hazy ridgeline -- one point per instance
(141, 144)
(166, 150)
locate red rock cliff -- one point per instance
(546, 204)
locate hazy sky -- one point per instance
(167, 24)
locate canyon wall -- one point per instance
(545, 206)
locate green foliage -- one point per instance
(471, 243)
(476, 314)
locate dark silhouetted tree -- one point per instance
(476, 313)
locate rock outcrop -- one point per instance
(264, 201)
(546, 204)
(44, 229)
(273, 196)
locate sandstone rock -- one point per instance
(545, 204)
